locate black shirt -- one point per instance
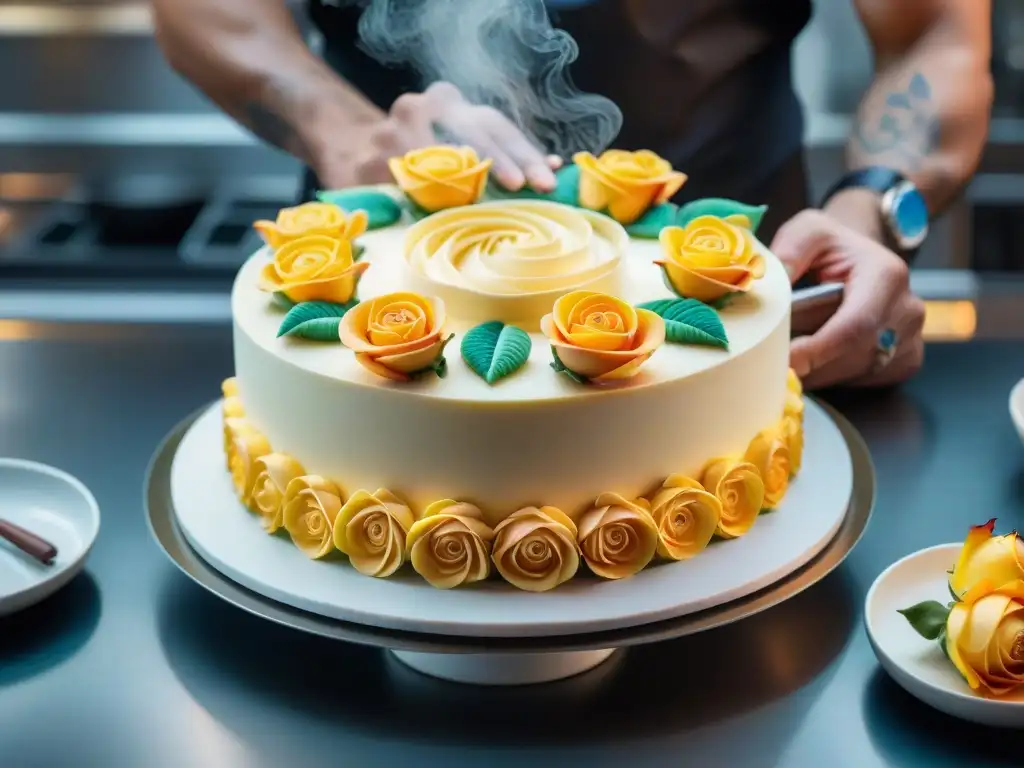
(707, 84)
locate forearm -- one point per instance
(249, 58)
(926, 113)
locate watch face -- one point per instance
(908, 215)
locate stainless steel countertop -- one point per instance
(133, 665)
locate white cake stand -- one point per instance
(493, 633)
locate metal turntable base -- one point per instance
(504, 660)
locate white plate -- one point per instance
(232, 541)
(51, 504)
(919, 665)
(1017, 407)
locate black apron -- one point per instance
(707, 84)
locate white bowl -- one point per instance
(918, 665)
(51, 504)
(1017, 407)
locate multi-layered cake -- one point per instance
(474, 381)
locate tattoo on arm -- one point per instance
(905, 128)
(272, 119)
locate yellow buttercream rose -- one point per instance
(794, 406)
(441, 177)
(275, 471)
(617, 537)
(769, 453)
(625, 184)
(985, 636)
(395, 335)
(311, 219)
(311, 505)
(535, 549)
(686, 515)
(371, 529)
(313, 268)
(600, 337)
(229, 387)
(996, 559)
(451, 544)
(245, 445)
(231, 408)
(738, 487)
(792, 430)
(709, 258)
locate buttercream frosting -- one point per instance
(509, 260)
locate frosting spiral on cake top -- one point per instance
(510, 260)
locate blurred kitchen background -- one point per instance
(112, 168)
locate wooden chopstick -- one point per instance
(28, 542)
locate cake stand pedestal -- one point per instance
(513, 653)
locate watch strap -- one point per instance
(874, 177)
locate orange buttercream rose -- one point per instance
(311, 219)
(625, 183)
(395, 335)
(313, 268)
(709, 258)
(600, 337)
(441, 177)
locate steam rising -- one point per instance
(502, 53)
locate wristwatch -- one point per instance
(902, 207)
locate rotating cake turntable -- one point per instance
(491, 633)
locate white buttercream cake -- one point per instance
(513, 387)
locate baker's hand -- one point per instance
(416, 120)
(878, 311)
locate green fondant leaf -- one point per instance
(314, 320)
(559, 366)
(928, 618)
(567, 189)
(494, 350)
(381, 209)
(688, 321)
(283, 301)
(723, 301)
(720, 207)
(439, 366)
(649, 225)
(358, 249)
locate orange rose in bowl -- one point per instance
(598, 337)
(709, 258)
(311, 219)
(396, 335)
(313, 268)
(625, 183)
(441, 177)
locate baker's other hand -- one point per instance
(440, 114)
(874, 338)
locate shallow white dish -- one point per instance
(51, 504)
(919, 665)
(1017, 407)
(231, 539)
